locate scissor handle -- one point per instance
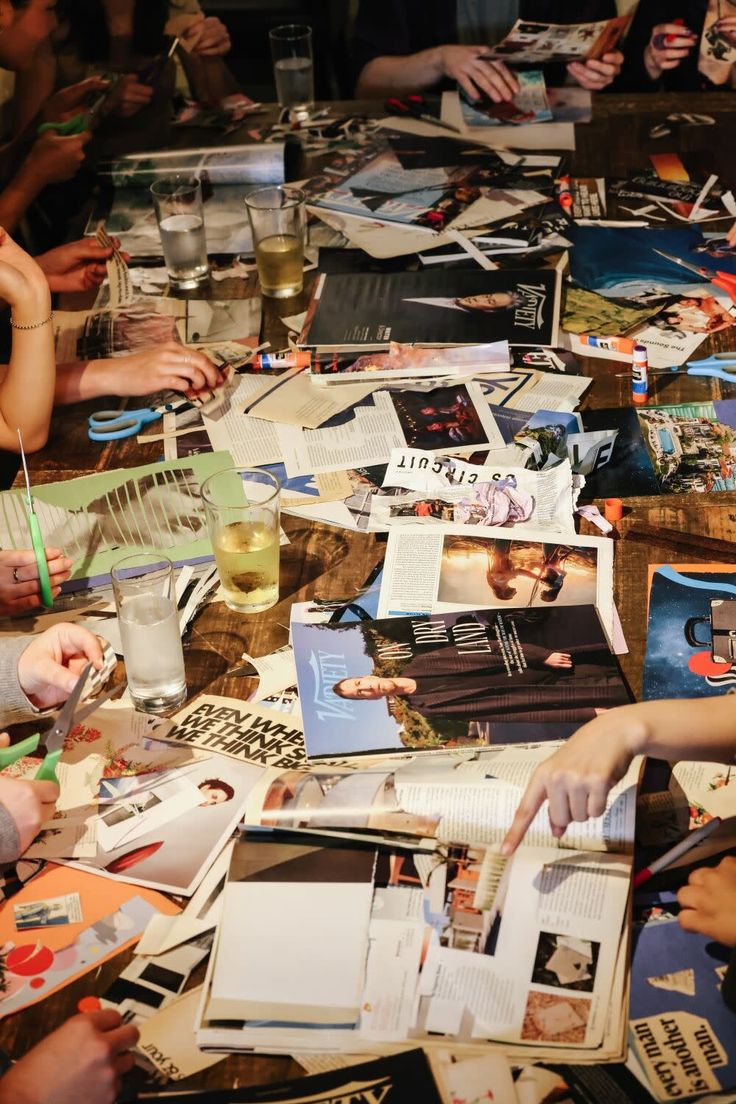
(727, 282)
(114, 425)
(714, 371)
(9, 755)
(47, 771)
(66, 128)
(44, 579)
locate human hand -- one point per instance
(67, 101)
(19, 588)
(29, 804)
(49, 667)
(83, 1059)
(708, 902)
(207, 37)
(22, 283)
(167, 367)
(558, 659)
(76, 266)
(478, 77)
(659, 56)
(131, 96)
(597, 75)
(577, 778)
(54, 158)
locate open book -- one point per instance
(428, 934)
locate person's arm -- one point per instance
(53, 158)
(27, 388)
(19, 587)
(170, 367)
(577, 779)
(33, 87)
(83, 1059)
(390, 76)
(209, 78)
(595, 75)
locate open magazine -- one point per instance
(435, 942)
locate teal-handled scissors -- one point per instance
(39, 548)
(724, 280)
(53, 740)
(114, 425)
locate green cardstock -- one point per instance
(98, 519)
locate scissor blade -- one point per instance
(679, 261)
(90, 707)
(54, 738)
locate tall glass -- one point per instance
(277, 220)
(242, 508)
(149, 627)
(293, 69)
(178, 202)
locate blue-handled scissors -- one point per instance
(114, 425)
(53, 740)
(715, 366)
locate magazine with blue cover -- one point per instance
(469, 678)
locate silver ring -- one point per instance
(15, 575)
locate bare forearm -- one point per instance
(700, 729)
(390, 76)
(27, 388)
(83, 379)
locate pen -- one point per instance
(681, 848)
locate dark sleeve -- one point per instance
(633, 76)
(396, 28)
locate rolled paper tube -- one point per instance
(613, 509)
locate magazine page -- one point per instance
(558, 43)
(452, 679)
(529, 105)
(464, 949)
(411, 362)
(456, 418)
(464, 307)
(444, 797)
(256, 163)
(454, 569)
(451, 491)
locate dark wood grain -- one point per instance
(326, 562)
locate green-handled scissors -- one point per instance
(39, 549)
(53, 740)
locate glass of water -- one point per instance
(293, 70)
(242, 508)
(149, 627)
(178, 202)
(277, 220)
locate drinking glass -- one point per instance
(242, 508)
(143, 585)
(277, 221)
(178, 202)
(293, 70)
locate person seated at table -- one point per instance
(577, 778)
(404, 46)
(30, 163)
(680, 46)
(19, 586)
(84, 1058)
(130, 38)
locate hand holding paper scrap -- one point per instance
(437, 421)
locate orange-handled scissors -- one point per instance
(724, 280)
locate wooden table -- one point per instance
(324, 561)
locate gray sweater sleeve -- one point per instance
(14, 705)
(9, 838)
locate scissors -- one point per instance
(723, 280)
(715, 366)
(39, 549)
(53, 740)
(77, 124)
(114, 425)
(416, 108)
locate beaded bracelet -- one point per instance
(31, 325)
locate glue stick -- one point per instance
(291, 358)
(639, 375)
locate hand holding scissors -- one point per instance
(724, 280)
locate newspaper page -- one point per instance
(455, 417)
(250, 441)
(450, 490)
(455, 569)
